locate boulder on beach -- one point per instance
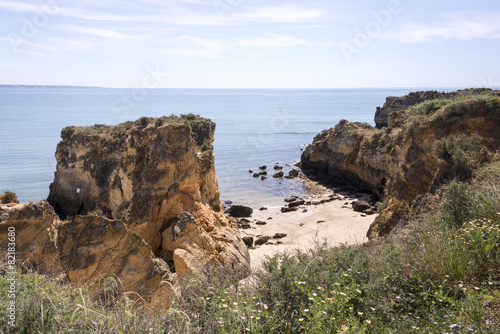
(286, 209)
(360, 206)
(263, 167)
(248, 241)
(278, 167)
(296, 203)
(278, 175)
(262, 240)
(279, 235)
(294, 173)
(240, 211)
(256, 174)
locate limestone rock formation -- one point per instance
(414, 156)
(145, 173)
(92, 249)
(141, 207)
(86, 249)
(35, 228)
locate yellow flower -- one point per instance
(301, 319)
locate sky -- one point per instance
(250, 43)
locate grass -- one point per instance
(442, 109)
(121, 128)
(439, 272)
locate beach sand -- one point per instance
(333, 222)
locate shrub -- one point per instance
(9, 197)
(190, 116)
(462, 155)
(67, 132)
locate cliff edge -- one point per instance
(138, 201)
(444, 136)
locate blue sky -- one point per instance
(250, 43)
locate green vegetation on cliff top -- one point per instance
(441, 109)
(121, 128)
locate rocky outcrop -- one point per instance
(141, 206)
(87, 250)
(35, 228)
(390, 114)
(411, 158)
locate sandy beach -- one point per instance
(332, 220)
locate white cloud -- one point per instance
(201, 53)
(256, 54)
(273, 40)
(452, 27)
(106, 33)
(280, 14)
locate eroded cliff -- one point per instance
(432, 142)
(140, 203)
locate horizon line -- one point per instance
(244, 88)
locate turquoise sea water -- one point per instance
(254, 127)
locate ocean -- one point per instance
(255, 127)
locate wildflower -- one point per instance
(360, 313)
(266, 307)
(258, 318)
(453, 326)
(93, 322)
(235, 304)
(306, 310)
(371, 308)
(301, 319)
(247, 329)
(344, 328)
(333, 319)
(224, 305)
(368, 321)
(315, 294)
(324, 312)
(358, 291)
